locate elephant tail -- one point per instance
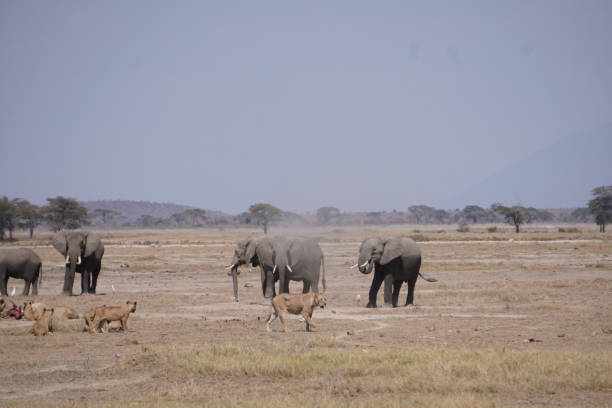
(426, 278)
(323, 276)
(40, 276)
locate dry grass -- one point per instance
(327, 375)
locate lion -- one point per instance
(32, 311)
(298, 304)
(89, 316)
(105, 326)
(108, 314)
(43, 323)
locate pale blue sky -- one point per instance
(358, 104)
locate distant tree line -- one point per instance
(67, 213)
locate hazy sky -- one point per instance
(363, 105)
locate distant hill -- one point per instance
(131, 210)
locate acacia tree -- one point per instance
(106, 216)
(263, 213)
(64, 213)
(8, 216)
(514, 215)
(194, 217)
(474, 213)
(326, 214)
(422, 213)
(29, 215)
(601, 206)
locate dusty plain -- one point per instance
(514, 320)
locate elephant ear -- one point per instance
(295, 252)
(92, 243)
(60, 243)
(393, 249)
(265, 252)
(249, 251)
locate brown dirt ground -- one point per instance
(491, 293)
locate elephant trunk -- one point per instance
(234, 273)
(69, 277)
(365, 264)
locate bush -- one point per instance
(463, 228)
(571, 229)
(492, 229)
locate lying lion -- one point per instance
(303, 303)
(32, 311)
(43, 323)
(104, 315)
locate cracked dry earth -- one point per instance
(524, 295)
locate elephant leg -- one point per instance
(35, 280)
(306, 288)
(387, 293)
(94, 277)
(3, 282)
(397, 285)
(85, 281)
(376, 282)
(410, 297)
(26, 288)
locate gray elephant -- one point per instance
(395, 260)
(83, 251)
(280, 259)
(20, 263)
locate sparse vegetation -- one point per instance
(263, 214)
(601, 206)
(463, 228)
(64, 213)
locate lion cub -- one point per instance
(43, 323)
(109, 314)
(303, 303)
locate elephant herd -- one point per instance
(280, 259)
(394, 261)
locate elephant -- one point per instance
(280, 259)
(20, 263)
(395, 260)
(83, 251)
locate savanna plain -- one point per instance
(514, 320)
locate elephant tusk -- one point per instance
(79, 260)
(67, 259)
(290, 270)
(229, 266)
(365, 264)
(274, 270)
(354, 266)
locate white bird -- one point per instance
(13, 291)
(358, 299)
(113, 288)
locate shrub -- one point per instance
(463, 228)
(492, 229)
